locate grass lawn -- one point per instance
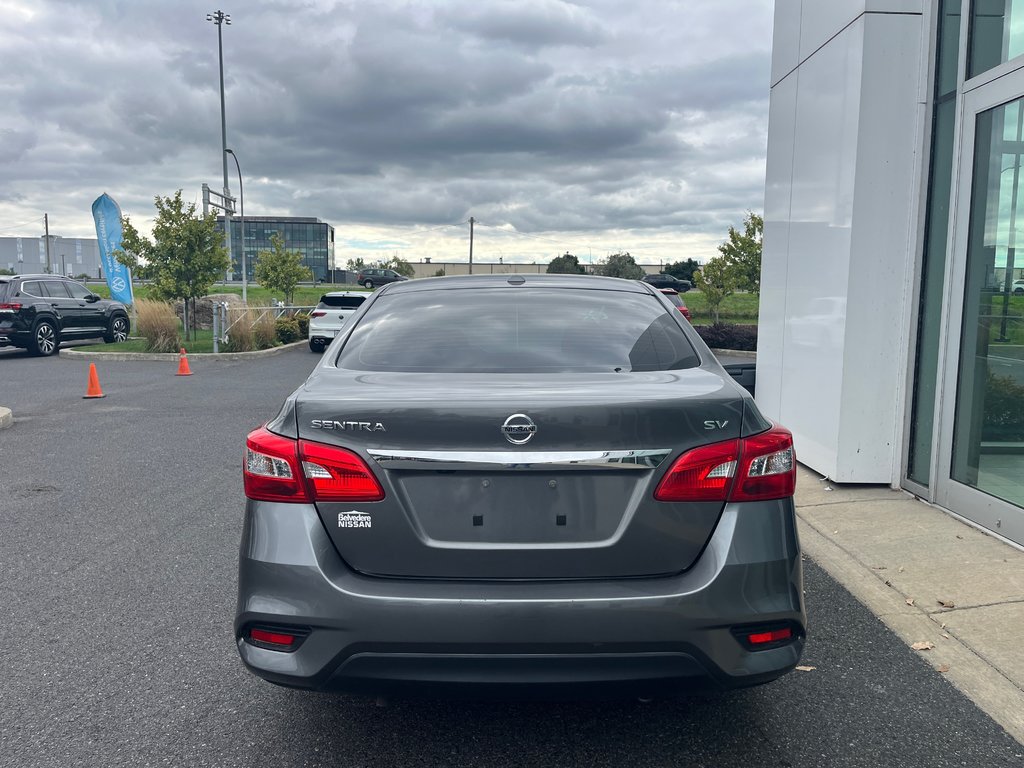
(740, 308)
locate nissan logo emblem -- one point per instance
(518, 428)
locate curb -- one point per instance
(172, 357)
(6, 418)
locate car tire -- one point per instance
(1018, 291)
(45, 339)
(368, 284)
(117, 331)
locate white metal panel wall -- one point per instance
(841, 183)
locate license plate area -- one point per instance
(526, 508)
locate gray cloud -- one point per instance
(645, 119)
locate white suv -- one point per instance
(330, 314)
(1018, 287)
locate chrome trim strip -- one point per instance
(544, 460)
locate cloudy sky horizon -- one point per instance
(592, 126)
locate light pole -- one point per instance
(220, 19)
(241, 224)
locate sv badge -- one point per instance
(715, 424)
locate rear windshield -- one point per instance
(674, 298)
(515, 330)
(341, 302)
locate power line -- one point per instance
(23, 224)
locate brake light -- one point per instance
(761, 467)
(271, 471)
(770, 636)
(334, 474)
(282, 469)
(10, 307)
(317, 314)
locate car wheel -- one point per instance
(1018, 291)
(45, 339)
(316, 346)
(118, 330)
(368, 284)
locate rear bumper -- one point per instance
(377, 635)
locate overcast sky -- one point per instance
(590, 126)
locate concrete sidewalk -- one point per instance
(932, 579)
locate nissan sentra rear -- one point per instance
(519, 484)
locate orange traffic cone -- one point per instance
(183, 369)
(93, 390)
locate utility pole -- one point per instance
(46, 226)
(220, 18)
(472, 221)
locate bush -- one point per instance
(158, 324)
(727, 336)
(287, 330)
(302, 318)
(1004, 417)
(264, 331)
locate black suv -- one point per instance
(368, 278)
(668, 281)
(38, 312)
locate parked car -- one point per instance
(330, 314)
(38, 312)
(370, 278)
(662, 280)
(677, 301)
(1018, 287)
(546, 484)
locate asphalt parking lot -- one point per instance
(120, 521)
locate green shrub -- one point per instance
(158, 324)
(287, 330)
(302, 318)
(727, 336)
(1004, 416)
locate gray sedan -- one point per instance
(529, 484)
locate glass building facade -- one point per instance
(312, 238)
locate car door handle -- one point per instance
(55, 304)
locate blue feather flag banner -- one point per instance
(107, 215)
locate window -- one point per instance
(997, 34)
(77, 290)
(33, 288)
(515, 330)
(56, 289)
(341, 302)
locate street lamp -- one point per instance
(220, 19)
(241, 223)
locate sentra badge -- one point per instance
(348, 426)
(354, 519)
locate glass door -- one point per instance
(981, 450)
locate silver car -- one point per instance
(525, 484)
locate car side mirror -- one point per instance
(92, 298)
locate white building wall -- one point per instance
(843, 183)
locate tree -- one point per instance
(716, 281)
(620, 265)
(682, 270)
(280, 269)
(742, 253)
(397, 263)
(355, 265)
(185, 256)
(565, 265)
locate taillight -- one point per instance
(281, 469)
(271, 471)
(276, 638)
(10, 307)
(317, 314)
(335, 474)
(760, 467)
